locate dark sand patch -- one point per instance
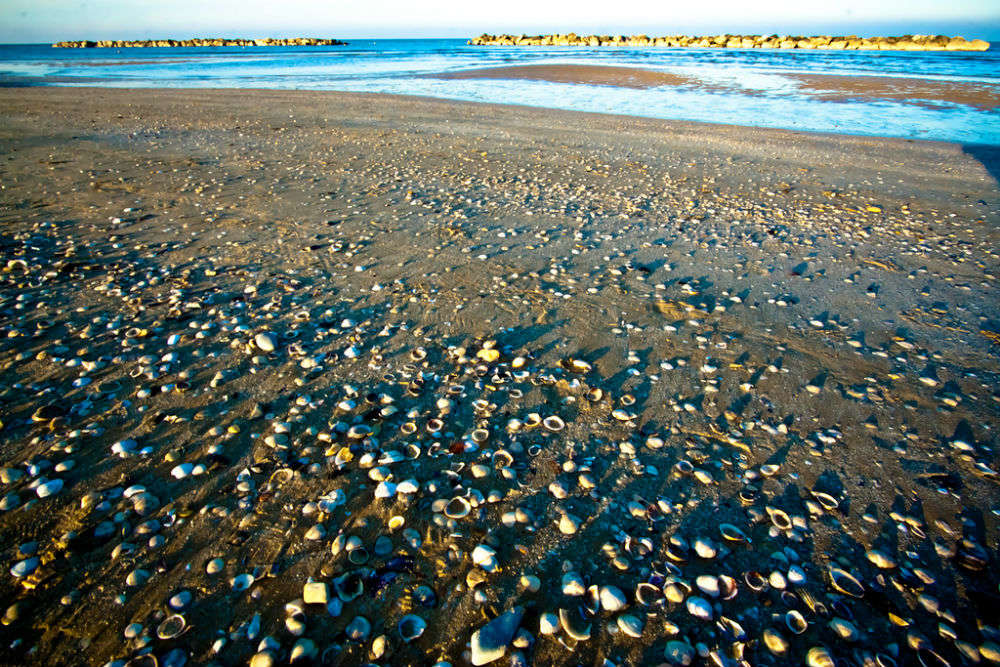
(912, 90)
(820, 86)
(593, 75)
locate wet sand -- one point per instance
(594, 75)
(822, 86)
(230, 320)
(916, 91)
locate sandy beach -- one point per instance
(357, 378)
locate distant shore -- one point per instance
(198, 41)
(826, 42)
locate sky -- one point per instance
(39, 21)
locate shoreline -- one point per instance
(19, 85)
(830, 87)
(360, 373)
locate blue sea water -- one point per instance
(744, 87)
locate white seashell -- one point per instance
(630, 625)
(568, 524)
(485, 557)
(548, 623)
(24, 567)
(385, 490)
(49, 488)
(304, 650)
(708, 584)
(572, 584)
(819, 657)
(775, 643)
(181, 471)
(699, 608)
(613, 599)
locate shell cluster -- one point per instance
(610, 454)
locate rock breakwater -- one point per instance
(198, 41)
(845, 43)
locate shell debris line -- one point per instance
(279, 383)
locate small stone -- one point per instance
(266, 341)
(316, 592)
(568, 524)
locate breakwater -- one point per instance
(200, 41)
(846, 43)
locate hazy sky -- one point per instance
(48, 20)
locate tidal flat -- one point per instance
(296, 376)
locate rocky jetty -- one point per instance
(198, 41)
(846, 43)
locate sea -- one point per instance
(742, 86)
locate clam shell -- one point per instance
(410, 627)
(576, 365)
(503, 458)
(828, 502)
(171, 626)
(779, 518)
(928, 658)
(358, 556)
(796, 622)
(241, 582)
(630, 625)
(457, 508)
(846, 583)
(732, 533)
(554, 423)
(819, 657)
(647, 594)
(775, 643)
(574, 624)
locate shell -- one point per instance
(796, 622)
(779, 518)
(554, 423)
(732, 533)
(574, 625)
(457, 508)
(576, 365)
(171, 626)
(647, 594)
(410, 627)
(846, 583)
(819, 657)
(241, 582)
